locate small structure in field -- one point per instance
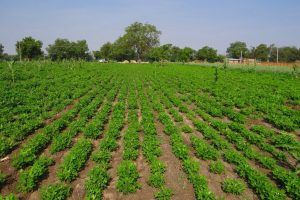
(103, 60)
(234, 61)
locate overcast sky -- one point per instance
(193, 23)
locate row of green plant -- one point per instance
(260, 187)
(290, 180)
(74, 161)
(152, 150)
(98, 178)
(29, 178)
(127, 170)
(48, 93)
(64, 140)
(181, 151)
(31, 149)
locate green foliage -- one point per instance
(128, 176)
(98, 179)
(28, 153)
(68, 170)
(101, 156)
(29, 48)
(9, 197)
(158, 169)
(29, 178)
(65, 49)
(207, 54)
(233, 186)
(163, 194)
(186, 129)
(235, 49)
(203, 150)
(56, 191)
(216, 167)
(2, 178)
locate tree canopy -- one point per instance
(29, 48)
(207, 54)
(235, 49)
(65, 49)
(1, 51)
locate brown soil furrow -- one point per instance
(146, 191)
(111, 191)
(214, 180)
(45, 122)
(77, 185)
(175, 177)
(50, 178)
(78, 190)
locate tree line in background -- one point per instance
(141, 42)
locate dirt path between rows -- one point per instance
(175, 177)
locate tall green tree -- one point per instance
(163, 52)
(187, 54)
(120, 50)
(288, 54)
(207, 54)
(64, 49)
(1, 51)
(141, 38)
(106, 51)
(29, 48)
(235, 49)
(261, 52)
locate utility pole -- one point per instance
(277, 55)
(241, 57)
(20, 52)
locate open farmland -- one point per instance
(78, 130)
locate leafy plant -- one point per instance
(163, 194)
(233, 186)
(128, 176)
(216, 167)
(56, 191)
(29, 178)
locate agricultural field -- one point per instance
(80, 130)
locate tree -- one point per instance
(29, 48)
(207, 54)
(288, 54)
(64, 49)
(175, 54)
(187, 54)
(120, 50)
(1, 51)
(261, 52)
(141, 38)
(160, 53)
(106, 50)
(235, 49)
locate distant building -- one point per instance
(235, 61)
(241, 61)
